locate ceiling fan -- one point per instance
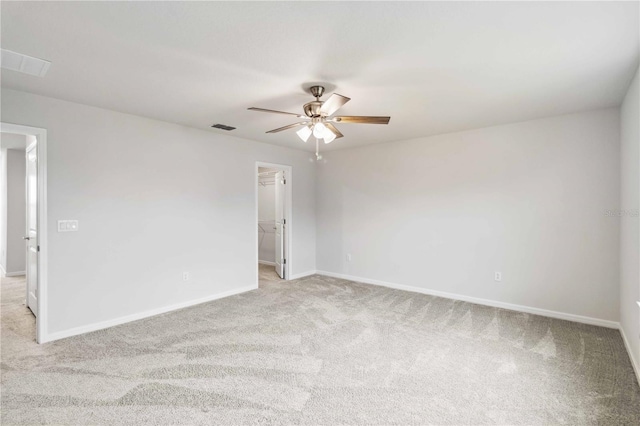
(317, 118)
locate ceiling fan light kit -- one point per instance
(305, 132)
(319, 120)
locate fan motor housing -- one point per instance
(312, 109)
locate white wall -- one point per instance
(3, 209)
(153, 199)
(444, 212)
(629, 221)
(12, 203)
(15, 211)
(267, 212)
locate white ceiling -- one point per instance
(433, 67)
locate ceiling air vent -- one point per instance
(25, 64)
(223, 127)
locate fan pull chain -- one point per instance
(318, 156)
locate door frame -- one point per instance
(41, 152)
(27, 222)
(288, 215)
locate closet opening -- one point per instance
(273, 199)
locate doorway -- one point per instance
(23, 220)
(273, 216)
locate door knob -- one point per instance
(26, 238)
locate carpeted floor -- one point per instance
(319, 351)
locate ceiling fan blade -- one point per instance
(274, 111)
(334, 130)
(362, 119)
(333, 104)
(290, 126)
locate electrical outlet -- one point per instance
(348, 257)
(185, 276)
(497, 276)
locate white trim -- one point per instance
(31, 145)
(479, 301)
(41, 135)
(302, 275)
(14, 274)
(635, 362)
(288, 212)
(266, 262)
(2, 270)
(146, 314)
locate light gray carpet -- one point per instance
(319, 351)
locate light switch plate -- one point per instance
(67, 225)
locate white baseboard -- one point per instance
(635, 362)
(15, 274)
(479, 301)
(141, 315)
(266, 262)
(302, 275)
(2, 271)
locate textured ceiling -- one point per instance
(433, 67)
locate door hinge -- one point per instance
(38, 248)
(284, 221)
(284, 261)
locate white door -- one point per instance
(32, 227)
(280, 224)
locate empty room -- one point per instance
(320, 213)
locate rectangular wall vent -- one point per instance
(25, 64)
(223, 127)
